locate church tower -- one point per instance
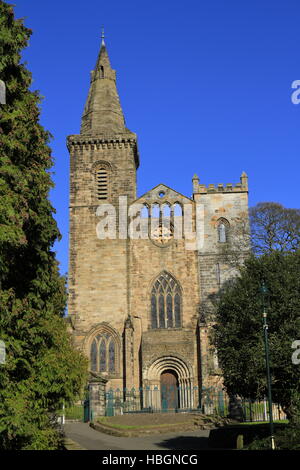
(104, 159)
(140, 306)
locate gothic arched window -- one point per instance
(223, 230)
(161, 226)
(103, 353)
(166, 302)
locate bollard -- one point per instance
(240, 442)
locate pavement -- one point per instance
(86, 438)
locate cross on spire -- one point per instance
(102, 36)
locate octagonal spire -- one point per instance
(103, 113)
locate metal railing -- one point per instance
(259, 411)
(209, 401)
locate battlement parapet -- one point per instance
(240, 187)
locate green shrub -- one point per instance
(226, 436)
(285, 439)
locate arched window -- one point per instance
(102, 183)
(103, 353)
(161, 228)
(102, 356)
(94, 355)
(166, 302)
(144, 223)
(177, 221)
(223, 230)
(111, 356)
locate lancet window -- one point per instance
(166, 302)
(223, 230)
(103, 354)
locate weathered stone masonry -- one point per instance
(139, 308)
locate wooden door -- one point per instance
(169, 390)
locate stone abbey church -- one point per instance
(139, 307)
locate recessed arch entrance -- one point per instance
(169, 384)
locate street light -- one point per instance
(264, 292)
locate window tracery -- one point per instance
(103, 353)
(165, 302)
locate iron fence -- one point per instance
(164, 400)
(210, 401)
(259, 411)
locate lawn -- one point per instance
(146, 421)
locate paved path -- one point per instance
(90, 439)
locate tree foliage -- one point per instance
(287, 438)
(42, 367)
(274, 228)
(238, 331)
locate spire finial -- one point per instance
(102, 37)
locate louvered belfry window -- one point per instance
(165, 303)
(102, 183)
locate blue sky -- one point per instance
(206, 85)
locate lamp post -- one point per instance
(264, 291)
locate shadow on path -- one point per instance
(185, 443)
(91, 439)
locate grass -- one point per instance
(257, 423)
(106, 421)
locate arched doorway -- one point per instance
(181, 378)
(169, 390)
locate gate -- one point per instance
(86, 408)
(110, 402)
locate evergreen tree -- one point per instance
(42, 368)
